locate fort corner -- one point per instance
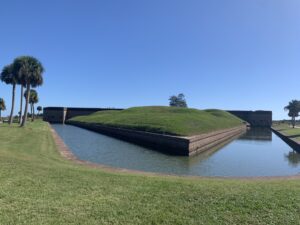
(259, 118)
(62, 114)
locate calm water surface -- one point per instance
(259, 152)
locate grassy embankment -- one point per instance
(167, 120)
(286, 129)
(38, 186)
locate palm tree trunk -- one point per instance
(26, 106)
(12, 104)
(31, 110)
(294, 122)
(33, 113)
(21, 104)
(32, 116)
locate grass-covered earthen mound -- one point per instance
(166, 120)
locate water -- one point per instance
(259, 152)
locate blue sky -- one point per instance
(233, 54)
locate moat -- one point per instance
(258, 152)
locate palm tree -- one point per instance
(33, 99)
(30, 72)
(9, 76)
(2, 106)
(294, 108)
(21, 104)
(39, 109)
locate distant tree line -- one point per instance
(2, 106)
(27, 72)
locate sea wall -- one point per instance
(61, 114)
(55, 114)
(259, 118)
(174, 145)
(201, 143)
(292, 143)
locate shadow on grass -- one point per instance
(282, 129)
(294, 136)
(13, 125)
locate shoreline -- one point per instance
(290, 141)
(174, 145)
(66, 153)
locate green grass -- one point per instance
(38, 186)
(167, 120)
(286, 129)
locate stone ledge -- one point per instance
(174, 145)
(292, 143)
(200, 143)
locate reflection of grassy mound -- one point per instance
(162, 119)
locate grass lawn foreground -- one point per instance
(38, 186)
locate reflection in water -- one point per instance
(293, 157)
(196, 159)
(263, 134)
(259, 152)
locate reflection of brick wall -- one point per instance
(255, 118)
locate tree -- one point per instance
(294, 108)
(30, 72)
(2, 107)
(9, 76)
(21, 104)
(178, 101)
(39, 109)
(33, 99)
(293, 157)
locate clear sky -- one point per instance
(233, 54)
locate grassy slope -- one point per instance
(169, 120)
(37, 186)
(286, 129)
